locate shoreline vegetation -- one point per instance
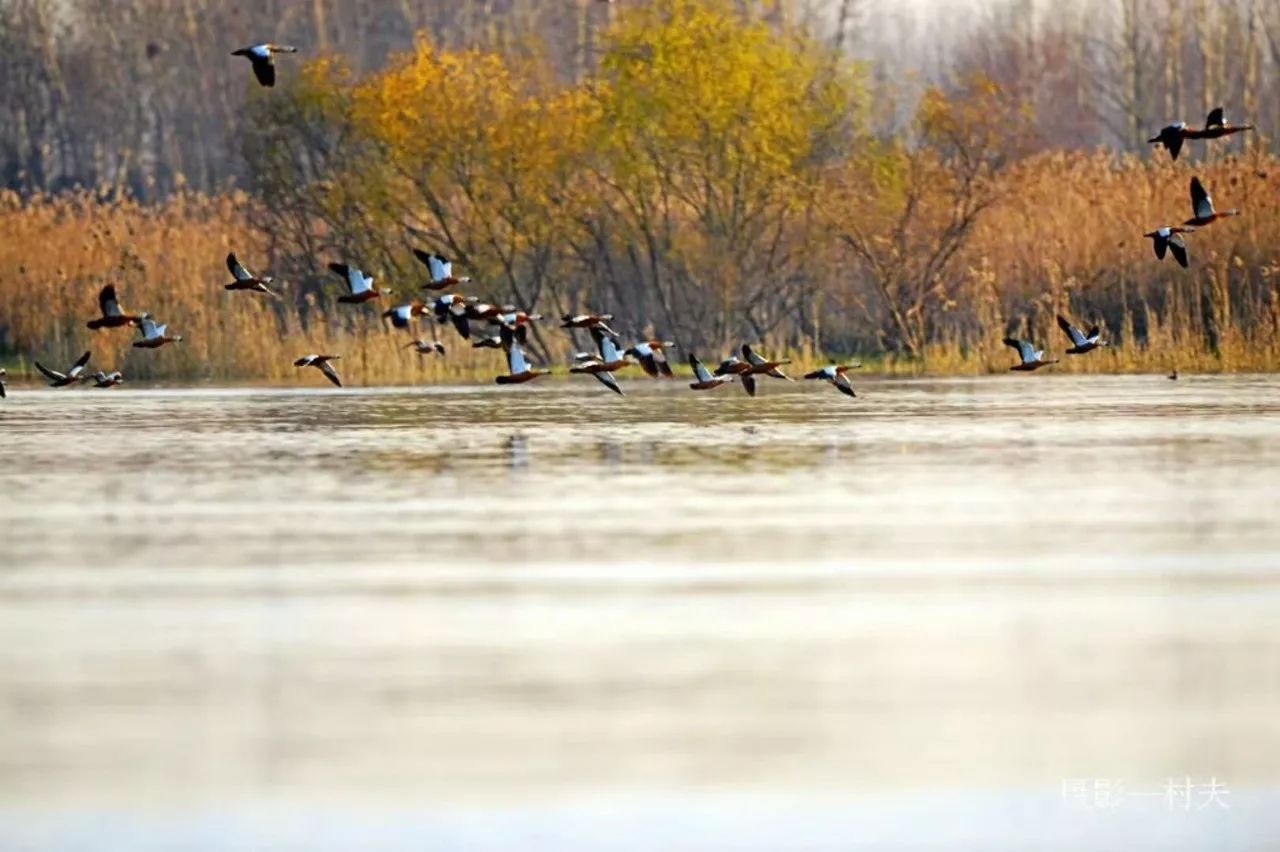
(713, 181)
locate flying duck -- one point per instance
(751, 365)
(1171, 137)
(113, 316)
(70, 377)
(735, 366)
(518, 322)
(652, 357)
(836, 374)
(106, 380)
(1169, 238)
(422, 347)
(1216, 126)
(246, 280)
(402, 316)
(703, 380)
(588, 321)
(321, 363)
(1030, 359)
(761, 366)
(478, 310)
(1202, 206)
(602, 365)
(154, 336)
(440, 269)
(359, 286)
(453, 308)
(492, 342)
(262, 57)
(602, 375)
(1081, 342)
(518, 368)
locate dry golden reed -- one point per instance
(1066, 236)
(57, 252)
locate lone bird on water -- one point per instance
(70, 377)
(113, 316)
(1169, 239)
(3, 375)
(837, 375)
(262, 56)
(1081, 342)
(321, 363)
(1030, 358)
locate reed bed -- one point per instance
(57, 252)
(1066, 236)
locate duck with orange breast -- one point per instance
(1081, 342)
(262, 56)
(518, 322)
(1168, 239)
(1173, 135)
(702, 378)
(246, 280)
(604, 364)
(402, 316)
(453, 308)
(106, 380)
(360, 287)
(73, 374)
(751, 364)
(440, 270)
(1202, 211)
(518, 369)
(588, 321)
(321, 363)
(837, 374)
(652, 357)
(1030, 359)
(154, 336)
(113, 315)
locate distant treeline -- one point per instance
(142, 94)
(709, 175)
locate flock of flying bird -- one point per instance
(1167, 239)
(512, 325)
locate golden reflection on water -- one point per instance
(493, 597)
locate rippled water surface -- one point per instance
(992, 614)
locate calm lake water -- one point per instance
(1010, 613)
